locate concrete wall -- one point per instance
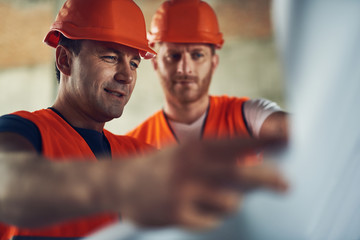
(248, 61)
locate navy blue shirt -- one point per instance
(12, 123)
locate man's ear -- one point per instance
(63, 59)
(215, 62)
(154, 63)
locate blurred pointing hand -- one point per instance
(197, 184)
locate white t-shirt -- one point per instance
(255, 111)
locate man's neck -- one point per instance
(188, 112)
(77, 119)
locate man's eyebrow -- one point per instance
(172, 50)
(120, 53)
(110, 49)
(197, 49)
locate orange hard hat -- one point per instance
(118, 21)
(185, 21)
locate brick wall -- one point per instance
(23, 25)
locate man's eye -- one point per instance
(174, 57)
(134, 64)
(109, 59)
(197, 55)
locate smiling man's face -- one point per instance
(103, 77)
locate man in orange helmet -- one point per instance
(54, 168)
(186, 34)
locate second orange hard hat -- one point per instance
(119, 21)
(185, 21)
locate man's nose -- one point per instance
(124, 73)
(185, 64)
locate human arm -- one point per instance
(187, 185)
(275, 125)
(266, 119)
(36, 192)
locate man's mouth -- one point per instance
(117, 94)
(184, 82)
(185, 79)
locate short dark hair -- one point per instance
(212, 48)
(72, 45)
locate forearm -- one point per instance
(157, 190)
(34, 191)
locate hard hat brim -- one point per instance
(53, 37)
(200, 37)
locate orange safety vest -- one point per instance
(224, 118)
(59, 142)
